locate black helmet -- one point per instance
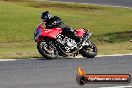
(46, 16)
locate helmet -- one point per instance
(46, 16)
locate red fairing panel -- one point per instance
(54, 32)
(80, 32)
(40, 27)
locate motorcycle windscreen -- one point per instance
(54, 32)
(38, 32)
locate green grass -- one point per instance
(110, 26)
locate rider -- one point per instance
(54, 21)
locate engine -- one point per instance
(67, 43)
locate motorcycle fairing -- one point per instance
(80, 32)
(41, 32)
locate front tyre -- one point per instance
(89, 51)
(47, 51)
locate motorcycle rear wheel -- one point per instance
(47, 53)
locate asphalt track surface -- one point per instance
(124, 3)
(61, 73)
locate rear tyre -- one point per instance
(89, 51)
(48, 52)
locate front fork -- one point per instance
(87, 43)
(85, 40)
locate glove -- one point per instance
(54, 23)
(71, 30)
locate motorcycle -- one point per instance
(51, 43)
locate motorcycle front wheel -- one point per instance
(47, 51)
(89, 51)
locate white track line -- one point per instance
(8, 59)
(130, 86)
(79, 56)
(109, 5)
(106, 5)
(114, 55)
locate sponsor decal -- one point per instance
(83, 78)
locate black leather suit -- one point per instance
(57, 22)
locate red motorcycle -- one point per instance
(51, 43)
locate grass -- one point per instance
(112, 27)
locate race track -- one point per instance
(124, 3)
(61, 73)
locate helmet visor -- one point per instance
(44, 18)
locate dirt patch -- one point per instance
(117, 37)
